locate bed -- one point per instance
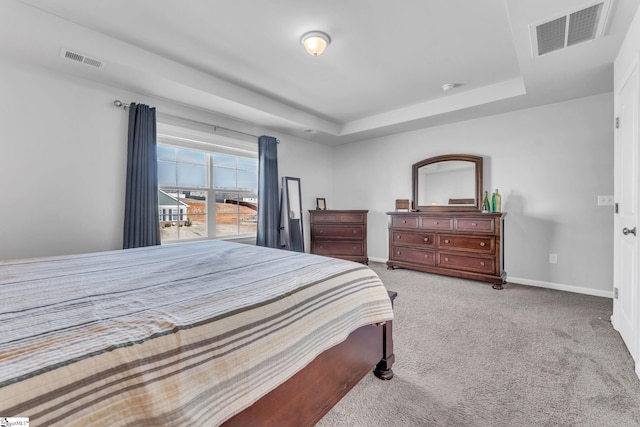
(201, 334)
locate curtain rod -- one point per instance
(124, 106)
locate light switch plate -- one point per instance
(605, 200)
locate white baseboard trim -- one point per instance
(547, 285)
(561, 287)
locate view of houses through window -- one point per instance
(204, 194)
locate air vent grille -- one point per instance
(550, 35)
(583, 25)
(83, 59)
(570, 29)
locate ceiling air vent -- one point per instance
(78, 57)
(570, 29)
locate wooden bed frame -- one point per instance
(307, 396)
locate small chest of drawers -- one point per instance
(339, 234)
(462, 244)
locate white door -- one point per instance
(626, 231)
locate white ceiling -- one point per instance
(382, 73)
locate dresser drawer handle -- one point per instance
(483, 244)
(482, 263)
(426, 239)
(320, 246)
(447, 241)
(426, 256)
(473, 224)
(398, 237)
(436, 222)
(320, 231)
(355, 248)
(399, 253)
(355, 231)
(404, 221)
(446, 259)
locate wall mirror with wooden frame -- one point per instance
(448, 182)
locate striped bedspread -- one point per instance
(184, 334)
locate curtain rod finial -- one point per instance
(120, 104)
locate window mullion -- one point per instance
(211, 199)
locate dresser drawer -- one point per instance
(334, 231)
(351, 219)
(476, 264)
(467, 243)
(479, 225)
(331, 218)
(337, 248)
(414, 255)
(413, 238)
(436, 223)
(405, 221)
(324, 217)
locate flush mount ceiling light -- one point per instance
(315, 42)
(448, 86)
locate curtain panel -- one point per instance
(268, 233)
(141, 226)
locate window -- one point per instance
(205, 190)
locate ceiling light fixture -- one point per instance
(448, 86)
(315, 42)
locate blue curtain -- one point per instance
(268, 206)
(141, 226)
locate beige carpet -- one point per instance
(467, 355)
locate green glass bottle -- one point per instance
(486, 207)
(497, 202)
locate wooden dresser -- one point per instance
(339, 234)
(465, 244)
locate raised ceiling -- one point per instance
(382, 73)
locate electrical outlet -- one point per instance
(605, 200)
(553, 258)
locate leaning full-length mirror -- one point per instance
(452, 182)
(291, 233)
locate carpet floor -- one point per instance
(468, 355)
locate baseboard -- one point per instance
(540, 284)
(561, 287)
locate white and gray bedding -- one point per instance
(187, 333)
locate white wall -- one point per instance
(63, 162)
(62, 165)
(549, 163)
(63, 159)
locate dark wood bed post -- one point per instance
(383, 368)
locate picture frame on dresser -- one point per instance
(321, 204)
(447, 233)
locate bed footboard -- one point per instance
(307, 396)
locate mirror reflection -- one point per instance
(450, 183)
(291, 234)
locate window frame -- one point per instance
(209, 143)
